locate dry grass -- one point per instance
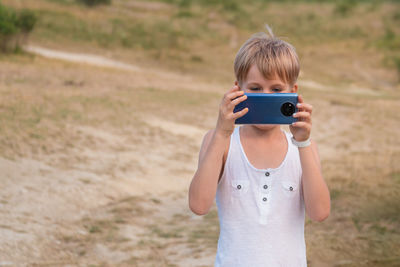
(181, 36)
(67, 117)
(161, 237)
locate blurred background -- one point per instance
(104, 104)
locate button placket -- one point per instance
(264, 184)
(264, 189)
(264, 197)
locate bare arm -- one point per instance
(203, 187)
(204, 184)
(315, 190)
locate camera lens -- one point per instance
(287, 109)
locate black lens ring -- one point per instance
(288, 109)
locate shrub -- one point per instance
(345, 7)
(26, 21)
(396, 61)
(8, 19)
(15, 27)
(95, 2)
(390, 44)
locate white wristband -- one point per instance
(301, 144)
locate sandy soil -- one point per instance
(115, 198)
(46, 200)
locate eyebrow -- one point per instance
(278, 84)
(253, 83)
(273, 85)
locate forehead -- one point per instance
(255, 76)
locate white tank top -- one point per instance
(261, 211)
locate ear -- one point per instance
(237, 84)
(295, 88)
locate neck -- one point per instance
(267, 134)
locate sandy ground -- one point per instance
(44, 200)
(116, 199)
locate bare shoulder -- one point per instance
(206, 142)
(207, 139)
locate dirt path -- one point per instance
(94, 60)
(150, 77)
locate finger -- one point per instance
(305, 107)
(228, 97)
(240, 113)
(234, 88)
(300, 99)
(302, 116)
(300, 103)
(236, 101)
(302, 124)
(234, 95)
(230, 91)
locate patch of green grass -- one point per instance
(396, 62)
(174, 232)
(184, 14)
(396, 177)
(94, 229)
(195, 58)
(378, 222)
(92, 3)
(381, 230)
(207, 231)
(335, 193)
(63, 2)
(385, 209)
(390, 40)
(114, 32)
(390, 44)
(119, 220)
(156, 200)
(345, 7)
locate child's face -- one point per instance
(255, 82)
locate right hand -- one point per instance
(226, 117)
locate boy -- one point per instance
(263, 178)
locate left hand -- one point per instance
(301, 129)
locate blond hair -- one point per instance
(273, 57)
